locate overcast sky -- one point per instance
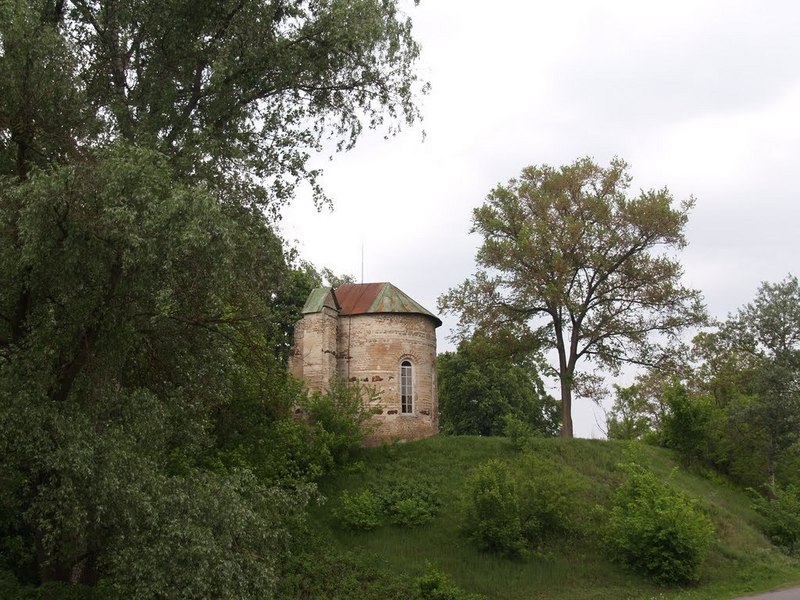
(702, 97)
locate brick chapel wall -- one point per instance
(370, 349)
(314, 355)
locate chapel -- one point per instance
(377, 335)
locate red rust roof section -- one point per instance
(357, 298)
(363, 298)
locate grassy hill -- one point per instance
(381, 563)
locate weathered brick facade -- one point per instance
(367, 333)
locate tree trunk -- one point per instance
(566, 405)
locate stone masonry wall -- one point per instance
(314, 355)
(370, 349)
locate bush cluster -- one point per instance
(493, 513)
(435, 585)
(341, 416)
(782, 518)
(511, 513)
(517, 431)
(655, 531)
(399, 502)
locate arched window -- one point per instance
(406, 388)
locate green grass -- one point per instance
(571, 567)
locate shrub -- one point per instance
(289, 452)
(550, 499)
(408, 503)
(782, 515)
(493, 519)
(399, 502)
(435, 585)
(341, 416)
(517, 431)
(657, 532)
(692, 427)
(318, 569)
(360, 510)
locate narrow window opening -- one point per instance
(406, 388)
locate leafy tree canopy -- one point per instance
(147, 303)
(482, 382)
(752, 367)
(733, 404)
(235, 93)
(573, 262)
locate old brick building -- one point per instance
(375, 334)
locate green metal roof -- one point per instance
(318, 299)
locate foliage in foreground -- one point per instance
(333, 574)
(147, 303)
(341, 416)
(655, 531)
(782, 517)
(493, 519)
(435, 585)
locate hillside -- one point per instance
(381, 562)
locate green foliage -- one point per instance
(204, 103)
(400, 502)
(286, 451)
(341, 416)
(317, 569)
(638, 410)
(517, 431)
(408, 503)
(751, 369)
(513, 513)
(485, 381)
(147, 302)
(360, 510)
(655, 531)
(692, 426)
(297, 449)
(782, 517)
(575, 265)
(230, 528)
(552, 500)
(493, 517)
(435, 585)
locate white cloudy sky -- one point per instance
(700, 96)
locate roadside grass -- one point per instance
(571, 566)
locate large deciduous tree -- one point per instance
(145, 148)
(752, 368)
(569, 259)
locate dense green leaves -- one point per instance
(751, 369)
(782, 515)
(147, 304)
(656, 531)
(482, 383)
(493, 511)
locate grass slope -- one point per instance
(572, 567)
